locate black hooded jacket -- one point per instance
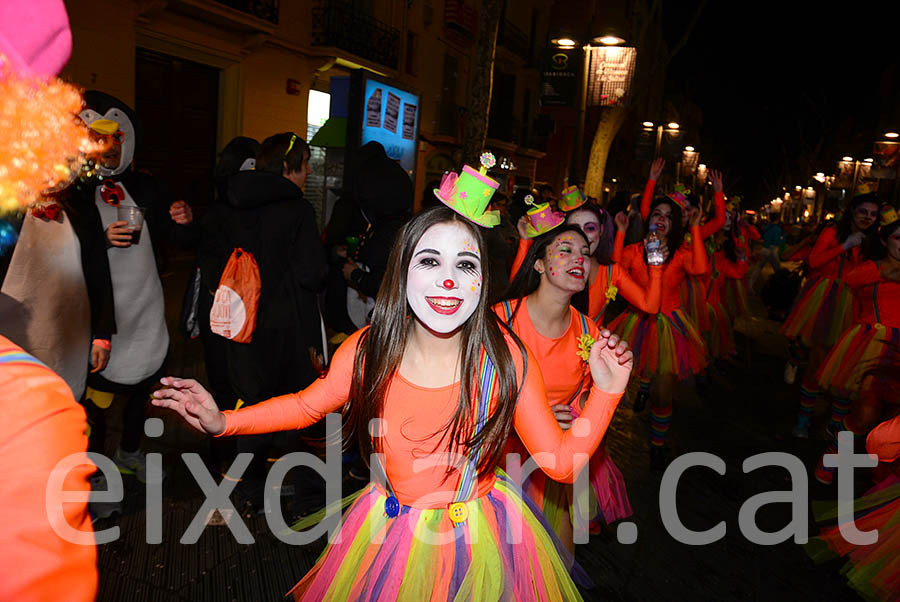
(267, 215)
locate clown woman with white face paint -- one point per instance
(448, 385)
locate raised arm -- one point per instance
(696, 262)
(718, 219)
(521, 252)
(656, 169)
(619, 242)
(646, 299)
(562, 454)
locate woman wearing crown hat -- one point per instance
(870, 341)
(447, 383)
(539, 310)
(824, 307)
(667, 344)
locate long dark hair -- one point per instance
(675, 237)
(527, 280)
(603, 252)
(845, 226)
(381, 347)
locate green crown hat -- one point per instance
(470, 192)
(679, 195)
(541, 218)
(572, 198)
(888, 215)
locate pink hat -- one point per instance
(35, 36)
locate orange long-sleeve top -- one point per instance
(877, 298)
(686, 260)
(828, 259)
(646, 298)
(565, 373)
(415, 420)
(42, 424)
(706, 230)
(720, 268)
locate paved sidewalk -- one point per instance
(748, 411)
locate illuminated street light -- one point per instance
(892, 135)
(565, 42)
(689, 149)
(673, 126)
(609, 40)
(647, 124)
(848, 159)
(868, 160)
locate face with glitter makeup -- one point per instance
(587, 221)
(443, 280)
(564, 264)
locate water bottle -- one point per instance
(654, 250)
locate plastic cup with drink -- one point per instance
(134, 219)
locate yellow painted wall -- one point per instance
(268, 109)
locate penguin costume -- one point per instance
(140, 344)
(57, 294)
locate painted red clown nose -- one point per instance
(448, 284)
(580, 261)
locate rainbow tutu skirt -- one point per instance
(824, 309)
(505, 550)
(860, 348)
(662, 343)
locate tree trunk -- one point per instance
(479, 103)
(611, 120)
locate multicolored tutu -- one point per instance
(873, 570)
(608, 496)
(860, 348)
(662, 343)
(734, 297)
(380, 558)
(720, 336)
(693, 302)
(824, 310)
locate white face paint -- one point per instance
(444, 277)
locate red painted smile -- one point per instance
(444, 305)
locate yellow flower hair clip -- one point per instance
(611, 292)
(585, 342)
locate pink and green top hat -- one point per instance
(541, 218)
(470, 193)
(572, 198)
(679, 195)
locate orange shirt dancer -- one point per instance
(824, 307)
(444, 379)
(539, 311)
(667, 344)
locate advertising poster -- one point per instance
(392, 113)
(865, 181)
(887, 160)
(373, 108)
(844, 176)
(689, 162)
(611, 72)
(384, 105)
(409, 121)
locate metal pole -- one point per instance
(578, 163)
(657, 149)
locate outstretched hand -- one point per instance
(611, 362)
(621, 221)
(715, 176)
(193, 402)
(656, 169)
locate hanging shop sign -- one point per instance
(560, 76)
(610, 74)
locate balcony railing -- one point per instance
(264, 9)
(338, 25)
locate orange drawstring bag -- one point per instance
(233, 313)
